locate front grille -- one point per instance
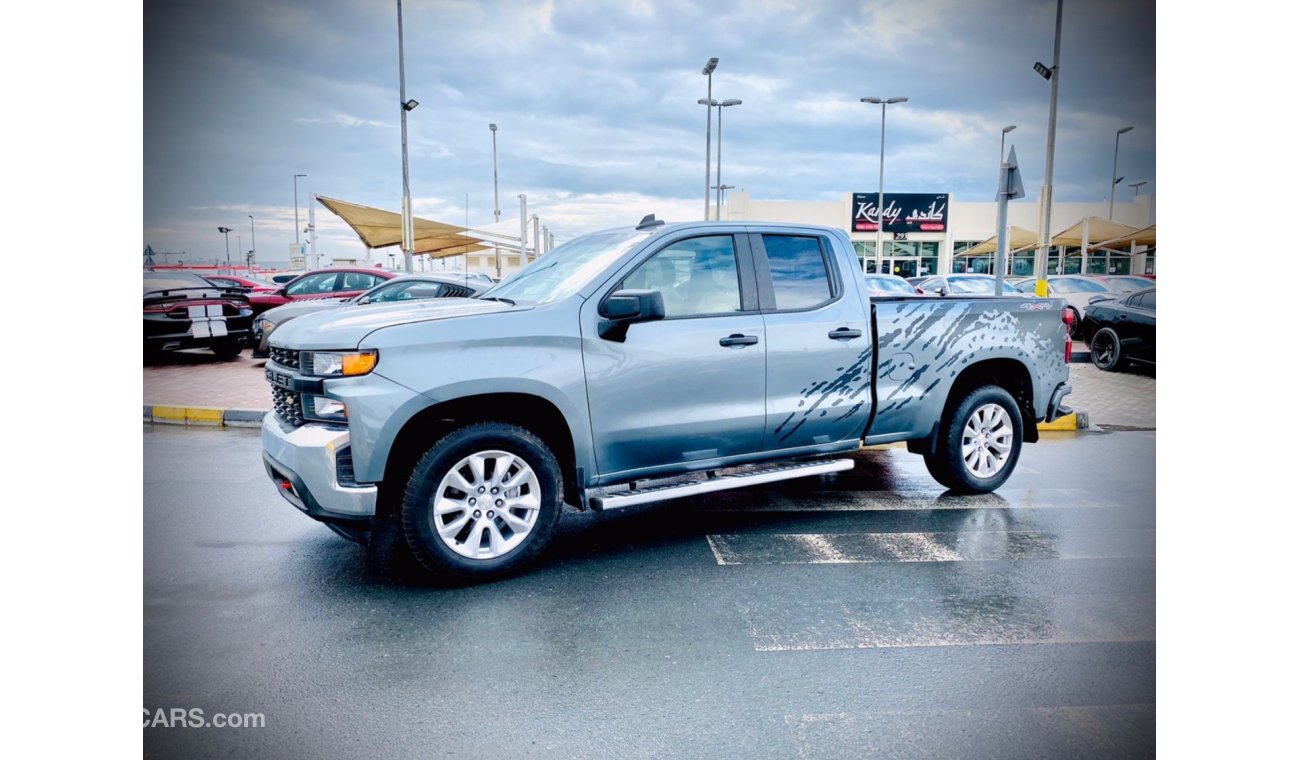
(284, 357)
(288, 406)
(343, 467)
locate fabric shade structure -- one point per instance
(1089, 232)
(379, 229)
(1145, 236)
(1019, 239)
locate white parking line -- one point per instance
(954, 546)
(1000, 617)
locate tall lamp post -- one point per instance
(724, 104)
(708, 128)
(1053, 75)
(496, 195)
(226, 231)
(1002, 150)
(722, 195)
(405, 106)
(253, 231)
(1135, 186)
(880, 193)
(1114, 168)
(295, 206)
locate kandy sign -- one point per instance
(904, 212)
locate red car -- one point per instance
(247, 284)
(336, 282)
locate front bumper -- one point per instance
(304, 464)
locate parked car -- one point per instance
(470, 278)
(958, 284)
(1077, 290)
(183, 310)
(283, 278)
(1124, 283)
(335, 282)
(246, 284)
(889, 285)
(404, 288)
(1123, 330)
(638, 365)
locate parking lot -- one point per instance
(852, 615)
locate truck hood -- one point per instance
(345, 328)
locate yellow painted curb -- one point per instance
(172, 414)
(198, 415)
(1068, 422)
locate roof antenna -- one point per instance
(648, 221)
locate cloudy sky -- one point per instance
(596, 106)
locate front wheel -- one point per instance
(979, 443)
(482, 503)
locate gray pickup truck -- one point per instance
(636, 365)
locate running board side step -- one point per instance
(750, 477)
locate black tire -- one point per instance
(417, 515)
(947, 465)
(227, 348)
(1076, 324)
(1105, 349)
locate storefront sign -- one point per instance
(904, 212)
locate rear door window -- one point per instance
(313, 284)
(800, 279)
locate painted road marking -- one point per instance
(954, 546)
(1088, 731)
(999, 617)
(901, 499)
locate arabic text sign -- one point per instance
(904, 212)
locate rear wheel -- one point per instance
(1076, 324)
(482, 503)
(979, 443)
(1105, 349)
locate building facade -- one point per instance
(928, 233)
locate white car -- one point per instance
(1076, 290)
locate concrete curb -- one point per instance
(212, 417)
(203, 416)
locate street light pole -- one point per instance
(408, 226)
(1114, 167)
(1135, 186)
(708, 128)
(295, 206)
(721, 105)
(226, 231)
(1045, 217)
(253, 231)
(496, 194)
(880, 192)
(1002, 150)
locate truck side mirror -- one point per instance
(624, 308)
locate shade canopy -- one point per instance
(1019, 239)
(1145, 236)
(378, 228)
(1096, 230)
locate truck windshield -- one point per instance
(565, 270)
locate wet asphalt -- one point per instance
(846, 616)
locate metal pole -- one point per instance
(1045, 218)
(880, 197)
(295, 206)
(253, 231)
(537, 237)
(408, 226)
(226, 234)
(708, 134)
(523, 232)
(496, 193)
(1114, 169)
(717, 211)
(311, 230)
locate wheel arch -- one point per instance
(1009, 374)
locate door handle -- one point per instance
(1123, 316)
(844, 333)
(736, 339)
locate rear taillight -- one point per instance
(1067, 316)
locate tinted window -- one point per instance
(697, 277)
(359, 281)
(170, 280)
(878, 284)
(1145, 300)
(312, 284)
(799, 275)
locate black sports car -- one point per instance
(1122, 330)
(183, 310)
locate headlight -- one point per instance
(263, 325)
(340, 363)
(324, 409)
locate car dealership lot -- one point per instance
(832, 617)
